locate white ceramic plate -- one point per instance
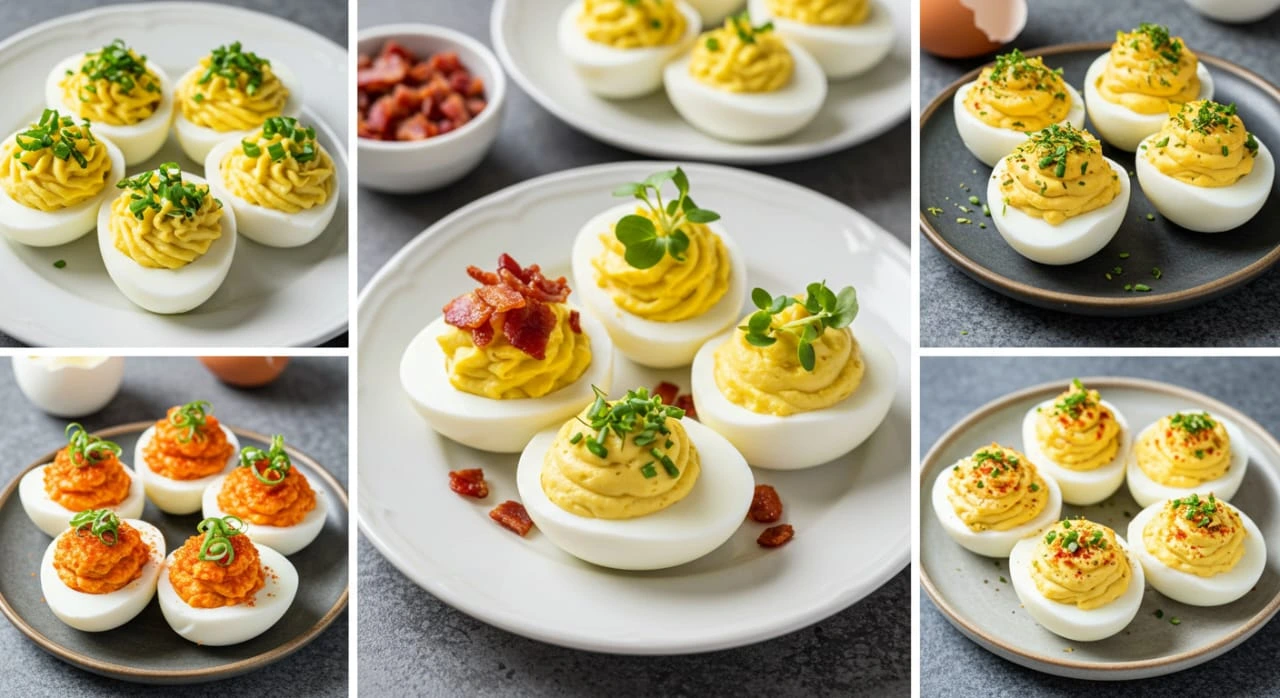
(857, 110)
(738, 594)
(271, 297)
(967, 587)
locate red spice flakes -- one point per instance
(766, 506)
(775, 536)
(469, 483)
(512, 516)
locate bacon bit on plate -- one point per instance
(775, 536)
(766, 506)
(469, 483)
(512, 300)
(685, 402)
(670, 394)
(402, 98)
(512, 516)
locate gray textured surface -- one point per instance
(308, 404)
(407, 637)
(951, 388)
(952, 303)
(326, 17)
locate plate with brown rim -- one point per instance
(1194, 267)
(146, 649)
(972, 592)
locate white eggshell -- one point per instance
(1192, 589)
(989, 143)
(178, 496)
(1079, 487)
(842, 51)
(1207, 209)
(263, 225)
(285, 540)
(197, 141)
(37, 228)
(53, 518)
(95, 613)
(66, 386)
(136, 142)
(615, 73)
(1146, 491)
(230, 625)
(1120, 126)
(991, 543)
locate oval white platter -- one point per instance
(857, 110)
(271, 297)
(852, 528)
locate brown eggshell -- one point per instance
(948, 29)
(245, 371)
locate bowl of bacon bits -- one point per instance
(429, 103)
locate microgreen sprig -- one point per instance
(277, 459)
(116, 64)
(1192, 423)
(102, 523)
(192, 417)
(230, 62)
(87, 449)
(646, 244)
(217, 547)
(57, 133)
(827, 310)
(638, 414)
(153, 187)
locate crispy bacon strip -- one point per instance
(776, 536)
(529, 328)
(668, 392)
(512, 300)
(685, 402)
(512, 516)
(469, 483)
(766, 505)
(468, 311)
(575, 322)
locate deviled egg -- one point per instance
(745, 83)
(280, 182)
(1184, 453)
(1203, 170)
(630, 484)
(1077, 579)
(126, 97)
(1056, 199)
(846, 37)
(1081, 441)
(714, 11)
(86, 474)
(272, 495)
(102, 571)
(1011, 99)
(166, 241)
(1198, 550)
(182, 454)
(230, 93)
(619, 47)
(1129, 90)
(505, 360)
(792, 387)
(54, 175)
(662, 279)
(220, 588)
(990, 500)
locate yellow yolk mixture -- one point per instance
(1203, 144)
(1147, 70)
(740, 58)
(1184, 450)
(1080, 562)
(500, 371)
(1019, 93)
(996, 489)
(1078, 432)
(1057, 174)
(628, 24)
(836, 13)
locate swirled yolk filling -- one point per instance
(832, 13)
(996, 489)
(1057, 174)
(501, 371)
(78, 485)
(1019, 93)
(85, 563)
(180, 453)
(1079, 562)
(1203, 144)
(1078, 432)
(161, 222)
(112, 86)
(280, 167)
(738, 57)
(284, 503)
(1147, 70)
(1184, 450)
(209, 584)
(234, 90)
(54, 164)
(627, 24)
(1197, 535)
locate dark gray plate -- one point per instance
(146, 649)
(1196, 266)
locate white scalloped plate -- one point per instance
(851, 516)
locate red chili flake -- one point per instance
(668, 392)
(766, 506)
(775, 536)
(469, 483)
(512, 516)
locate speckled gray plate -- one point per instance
(1196, 266)
(146, 649)
(970, 591)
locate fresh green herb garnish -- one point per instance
(1014, 65)
(60, 264)
(300, 141)
(115, 63)
(152, 188)
(191, 417)
(747, 33)
(1052, 145)
(1169, 48)
(104, 524)
(277, 461)
(1075, 402)
(640, 415)
(827, 310)
(646, 244)
(217, 547)
(57, 133)
(1192, 423)
(86, 449)
(231, 62)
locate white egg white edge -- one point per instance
(149, 135)
(231, 625)
(685, 531)
(1111, 475)
(991, 543)
(1223, 488)
(31, 227)
(100, 610)
(1180, 202)
(189, 492)
(196, 141)
(285, 540)
(990, 143)
(613, 73)
(1131, 122)
(53, 518)
(842, 51)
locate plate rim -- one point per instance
(749, 156)
(177, 676)
(1082, 303)
(893, 563)
(1075, 669)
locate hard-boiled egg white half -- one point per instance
(285, 540)
(51, 517)
(749, 117)
(620, 73)
(1079, 487)
(197, 141)
(95, 613)
(647, 342)
(263, 225)
(1192, 589)
(991, 543)
(804, 439)
(990, 143)
(1071, 241)
(178, 496)
(1120, 126)
(230, 625)
(169, 291)
(1068, 620)
(683, 532)
(38, 228)
(1146, 491)
(1207, 209)
(500, 426)
(136, 142)
(69, 386)
(842, 51)
(714, 11)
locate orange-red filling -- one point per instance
(86, 564)
(282, 504)
(207, 584)
(178, 455)
(96, 486)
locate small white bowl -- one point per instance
(402, 167)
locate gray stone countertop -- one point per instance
(952, 303)
(951, 388)
(326, 17)
(308, 403)
(409, 638)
